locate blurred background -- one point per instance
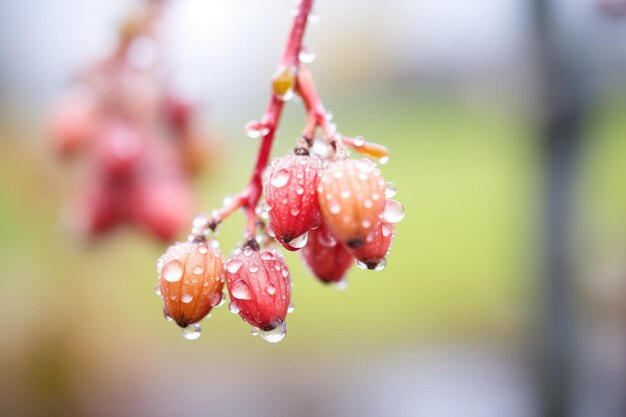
(505, 292)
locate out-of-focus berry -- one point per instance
(327, 258)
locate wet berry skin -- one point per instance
(259, 287)
(376, 247)
(351, 198)
(191, 278)
(290, 186)
(326, 257)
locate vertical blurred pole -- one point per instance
(561, 96)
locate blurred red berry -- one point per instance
(191, 278)
(73, 122)
(352, 198)
(260, 290)
(327, 258)
(290, 187)
(120, 147)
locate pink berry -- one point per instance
(327, 258)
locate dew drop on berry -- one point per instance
(275, 335)
(233, 307)
(345, 194)
(366, 223)
(394, 211)
(268, 256)
(241, 291)
(379, 266)
(271, 290)
(233, 265)
(157, 290)
(222, 300)
(280, 178)
(200, 221)
(375, 197)
(285, 272)
(359, 141)
(291, 308)
(341, 285)
(192, 332)
(306, 56)
(255, 331)
(172, 271)
(248, 251)
(166, 317)
(254, 129)
(368, 203)
(215, 299)
(300, 190)
(313, 18)
(253, 268)
(326, 239)
(294, 211)
(386, 230)
(383, 160)
(198, 270)
(203, 249)
(334, 207)
(390, 189)
(300, 241)
(320, 148)
(186, 298)
(365, 166)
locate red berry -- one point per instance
(120, 148)
(352, 198)
(74, 121)
(327, 258)
(290, 187)
(191, 278)
(260, 290)
(372, 254)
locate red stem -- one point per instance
(271, 118)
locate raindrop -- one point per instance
(386, 229)
(215, 244)
(390, 189)
(233, 265)
(367, 203)
(366, 224)
(345, 194)
(375, 197)
(365, 165)
(248, 251)
(222, 300)
(285, 272)
(300, 241)
(300, 190)
(203, 249)
(358, 141)
(334, 208)
(313, 18)
(215, 299)
(280, 178)
(275, 335)
(233, 307)
(321, 148)
(294, 211)
(271, 290)
(198, 270)
(341, 285)
(192, 332)
(168, 318)
(253, 268)
(337, 174)
(291, 308)
(394, 212)
(172, 271)
(383, 160)
(327, 239)
(157, 290)
(268, 256)
(306, 56)
(255, 129)
(255, 331)
(241, 291)
(186, 298)
(200, 222)
(380, 265)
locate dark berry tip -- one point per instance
(301, 151)
(355, 243)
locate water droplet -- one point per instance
(300, 241)
(268, 256)
(275, 335)
(361, 264)
(326, 238)
(186, 298)
(280, 178)
(337, 173)
(294, 211)
(394, 211)
(233, 265)
(386, 229)
(375, 197)
(291, 308)
(200, 222)
(365, 165)
(383, 160)
(253, 268)
(358, 141)
(341, 285)
(306, 56)
(215, 244)
(366, 224)
(271, 290)
(367, 203)
(241, 291)
(198, 270)
(202, 249)
(248, 251)
(233, 307)
(172, 271)
(157, 290)
(390, 189)
(255, 129)
(300, 190)
(222, 300)
(168, 318)
(362, 176)
(320, 148)
(215, 299)
(255, 331)
(192, 332)
(285, 272)
(334, 207)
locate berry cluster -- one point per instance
(332, 208)
(138, 138)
